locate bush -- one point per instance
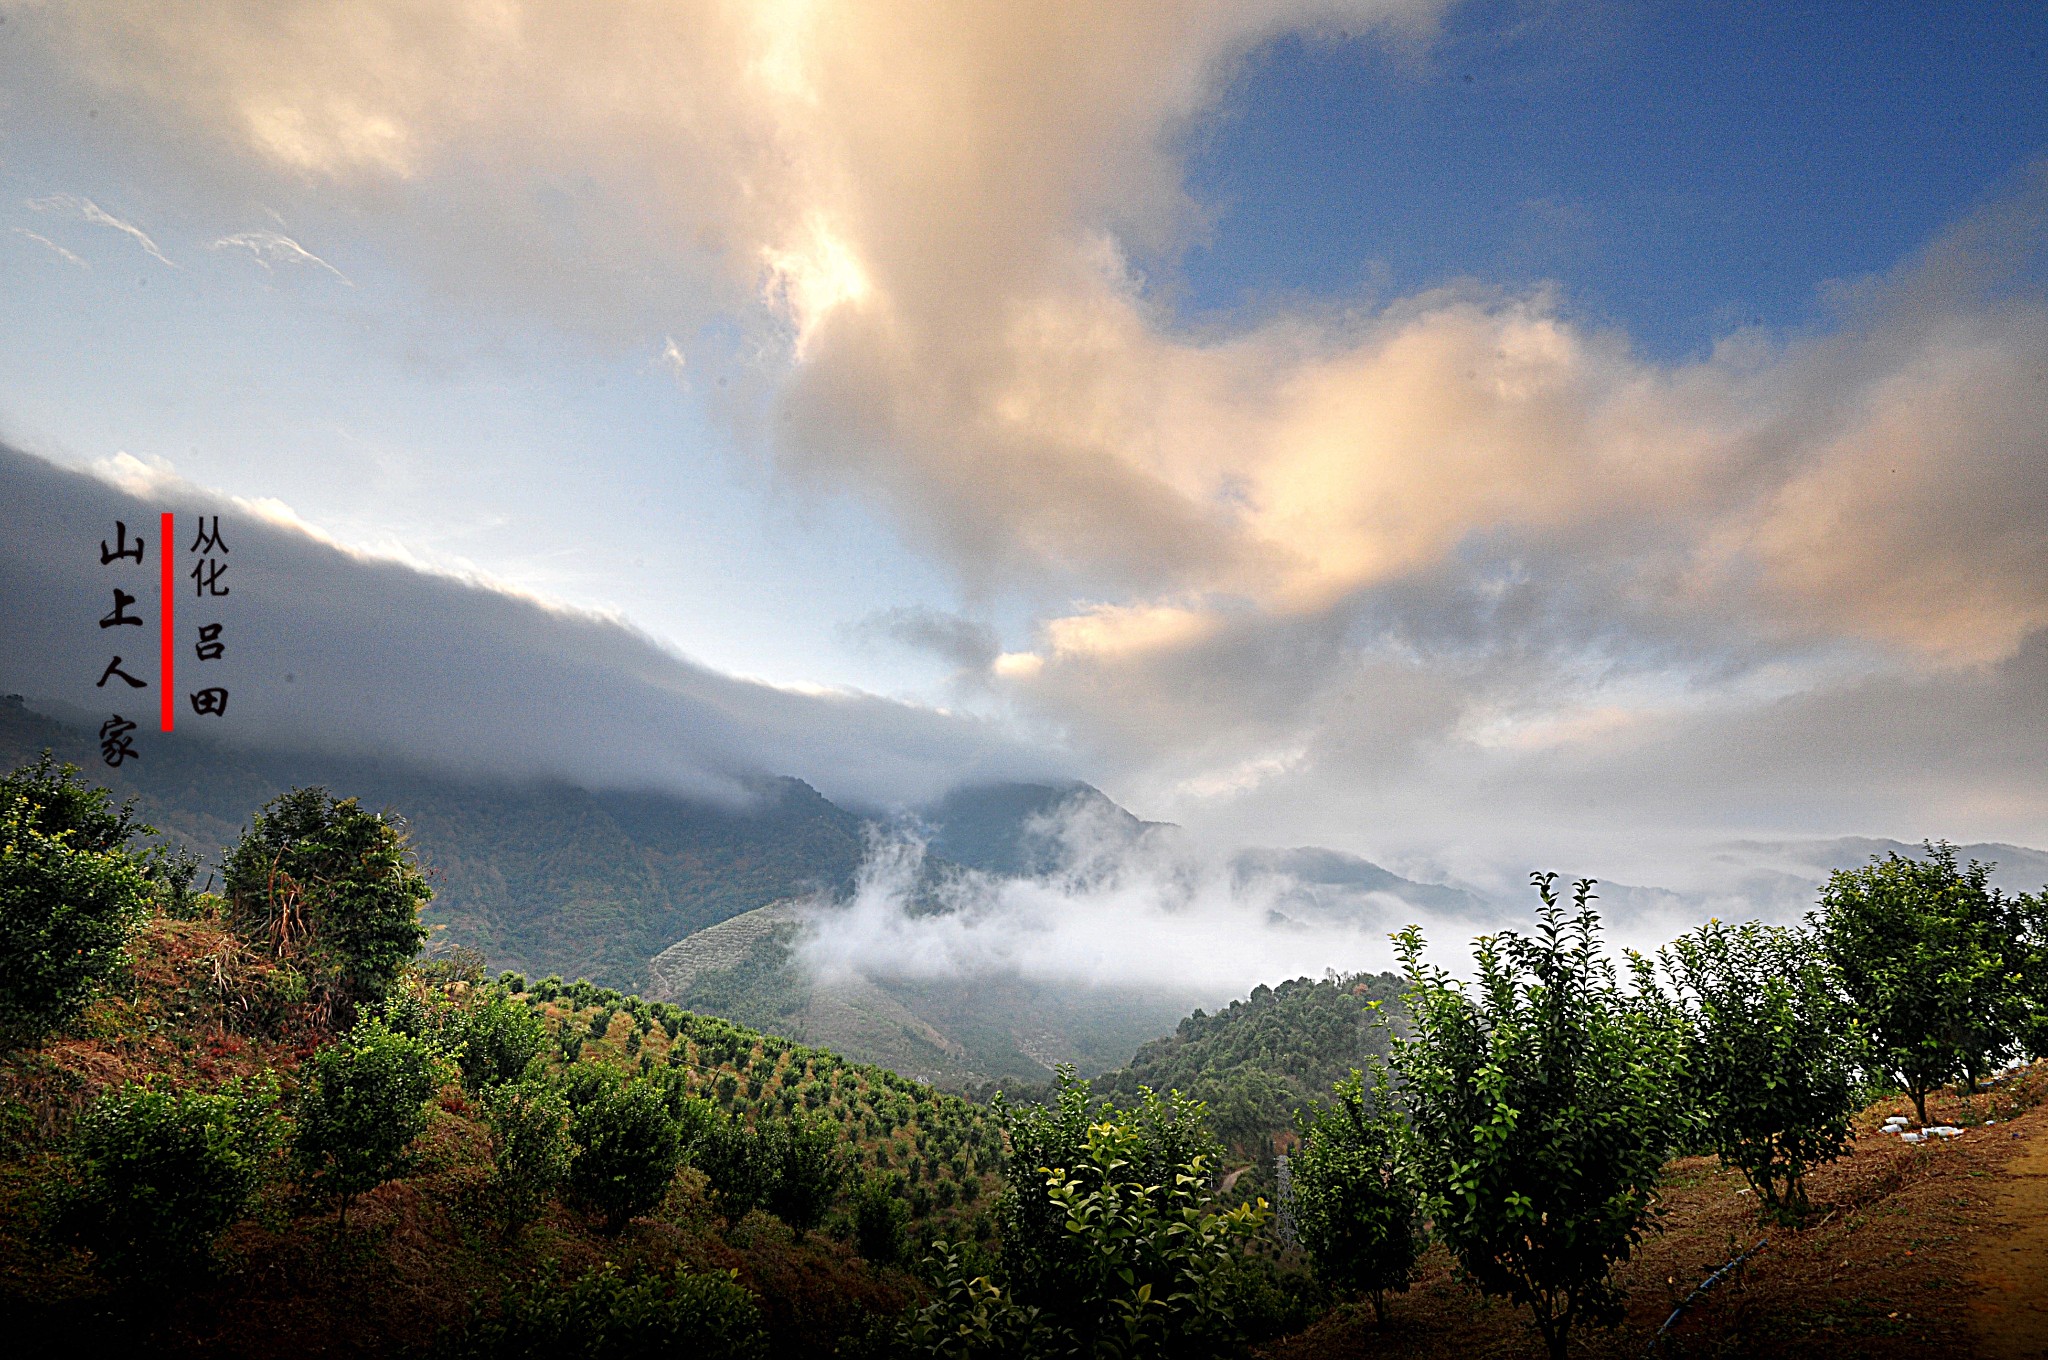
(879, 1217)
(364, 1109)
(627, 1152)
(613, 1314)
(1544, 1103)
(808, 1171)
(500, 1039)
(71, 894)
(530, 1149)
(742, 1166)
(1921, 949)
(1773, 1054)
(320, 880)
(1357, 1207)
(156, 1175)
(1112, 1244)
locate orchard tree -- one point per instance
(1921, 949)
(499, 1040)
(335, 889)
(1356, 1204)
(157, 1174)
(627, 1151)
(71, 895)
(809, 1173)
(1773, 1054)
(1544, 1100)
(363, 1111)
(530, 1148)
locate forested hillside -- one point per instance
(1257, 1061)
(543, 878)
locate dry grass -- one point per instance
(1884, 1266)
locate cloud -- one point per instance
(45, 241)
(1389, 566)
(85, 210)
(970, 647)
(341, 651)
(269, 246)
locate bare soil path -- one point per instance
(2009, 1267)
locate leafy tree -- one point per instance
(530, 1148)
(627, 1151)
(1920, 948)
(2027, 929)
(1772, 1059)
(879, 1218)
(71, 894)
(1357, 1206)
(809, 1173)
(742, 1165)
(1113, 1244)
(320, 880)
(364, 1109)
(1545, 1101)
(500, 1039)
(616, 1314)
(157, 1174)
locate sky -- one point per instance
(1467, 435)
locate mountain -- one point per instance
(1022, 830)
(542, 877)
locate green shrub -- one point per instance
(530, 1149)
(614, 1314)
(1773, 1054)
(1357, 1207)
(627, 1151)
(365, 1107)
(319, 880)
(71, 894)
(742, 1166)
(808, 1171)
(500, 1039)
(156, 1175)
(1545, 1101)
(879, 1217)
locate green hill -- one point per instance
(1258, 1060)
(540, 877)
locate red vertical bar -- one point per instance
(166, 545)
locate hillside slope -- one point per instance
(541, 877)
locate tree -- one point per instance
(318, 880)
(1773, 1054)
(499, 1039)
(157, 1174)
(1920, 949)
(879, 1217)
(530, 1148)
(809, 1171)
(1357, 1207)
(615, 1314)
(742, 1166)
(71, 895)
(627, 1151)
(364, 1109)
(1112, 1241)
(1544, 1100)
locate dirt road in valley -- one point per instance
(2009, 1317)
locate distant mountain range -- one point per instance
(697, 901)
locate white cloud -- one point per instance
(45, 241)
(271, 247)
(85, 210)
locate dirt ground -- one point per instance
(1939, 1248)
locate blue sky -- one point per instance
(1681, 170)
(1297, 418)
